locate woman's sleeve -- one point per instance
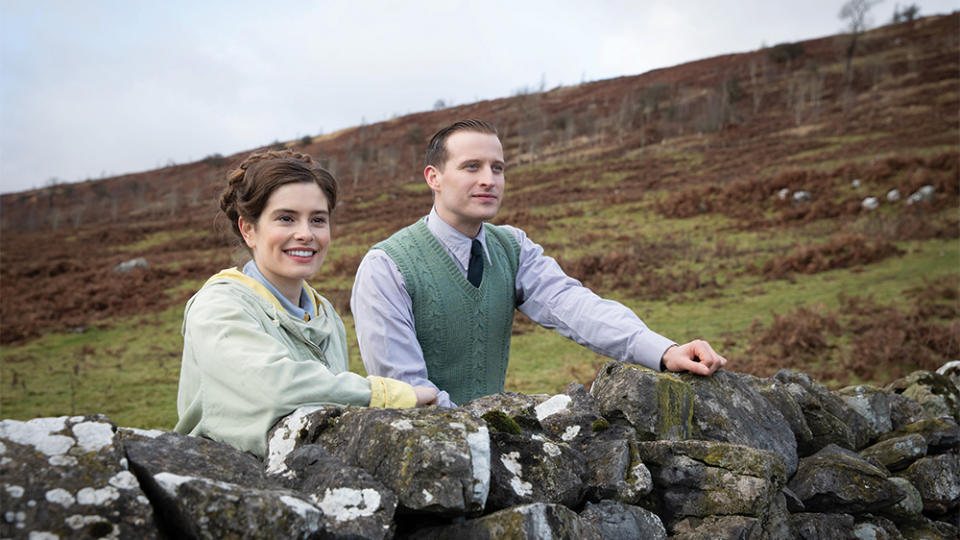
(248, 379)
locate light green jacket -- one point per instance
(247, 363)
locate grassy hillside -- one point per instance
(662, 191)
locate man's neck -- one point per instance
(470, 230)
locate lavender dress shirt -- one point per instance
(383, 311)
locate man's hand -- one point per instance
(426, 396)
(696, 357)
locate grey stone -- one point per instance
(299, 428)
(836, 479)
(951, 370)
(668, 406)
(532, 469)
(711, 527)
(658, 405)
(435, 460)
(211, 509)
(909, 507)
(535, 521)
(776, 393)
(354, 504)
(937, 478)
(936, 393)
(615, 521)
(904, 410)
(807, 526)
(941, 434)
(923, 528)
(614, 471)
(127, 266)
(870, 527)
(571, 416)
(68, 477)
(152, 452)
(872, 403)
(830, 419)
(700, 479)
(519, 407)
(898, 452)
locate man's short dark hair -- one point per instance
(437, 149)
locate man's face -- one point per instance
(469, 189)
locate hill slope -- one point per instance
(661, 190)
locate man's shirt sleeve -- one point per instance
(383, 317)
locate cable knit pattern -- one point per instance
(464, 331)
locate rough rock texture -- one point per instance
(838, 480)
(822, 526)
(615, 520)
(722, 408)
(873, 404)
(937, 478)
(530, 521)
(451, 472)
(936, 393)
(898, 452)
(534, 469)
(700, 479)
(830, 419)
(68, 477)
(645, 455)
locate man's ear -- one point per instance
(247, 229)
(431, 174)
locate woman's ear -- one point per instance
(248, 230)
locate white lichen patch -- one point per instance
(551, 449)
(92, 436)
(520, 487)
(427, 497)
(62, 461)
(169, 482)
(285, 440)
(552, 406)
(403, 424)
(509, 461)
(479, 442)
(148, 433)
(42, 535)
(142, 500)
(570, 433)
(39, 433)
(124, 480)
(537, 518)
(14, 492)
(3, 449)
(17, 518)
(60, 496)
(345, 504)
(77, 522)
(305, 510)
(97, 497)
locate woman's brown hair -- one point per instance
(250, 185)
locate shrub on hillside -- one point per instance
(840, 251)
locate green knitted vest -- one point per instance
(464, 331)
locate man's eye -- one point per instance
(498, 168)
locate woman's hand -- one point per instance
(426, 396)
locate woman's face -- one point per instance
(289, 241)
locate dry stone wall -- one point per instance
(640, 455)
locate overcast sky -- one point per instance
(92, 88)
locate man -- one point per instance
(434, 303)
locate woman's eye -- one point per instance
(285, 218)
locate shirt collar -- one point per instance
(305, 313)
(455, 242)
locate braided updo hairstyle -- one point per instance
(250, 185)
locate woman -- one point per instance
(260, 343)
